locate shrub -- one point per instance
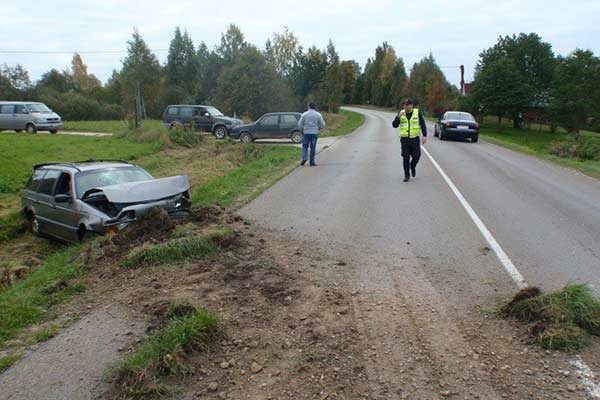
(575, 146)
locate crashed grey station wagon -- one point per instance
(72, 201)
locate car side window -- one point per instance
(288, 120)
(7, 109)
(48, 182)
(172, 111)
(186, 111)
(35, 179)
(63, 186)
(270, 120)
(20, 109)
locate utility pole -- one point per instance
(138, 105)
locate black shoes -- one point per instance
(413, 170)
(302, 162)
(313, 165)
(406, 178)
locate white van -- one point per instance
(28, 116)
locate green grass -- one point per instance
(20, 152)
(249, 180)
(41, 335)
(162, 356)
(29, 301)
(560, 320)
(7, 361)
(538, 144)
(178, 250)
(352, 121)
(111, 126)
(12, 226)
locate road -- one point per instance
(412, 246)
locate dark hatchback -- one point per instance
(279, 125)
(458, 125)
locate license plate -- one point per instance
(462, 127)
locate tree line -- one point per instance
(519, 78)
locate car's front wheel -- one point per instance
(220, 132)
(34, 224)
(31, 128)
(246, 137)
(297, 137)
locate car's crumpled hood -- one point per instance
(142, 191)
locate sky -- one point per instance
(455, 32)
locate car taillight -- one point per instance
(477, 125)
(447, 124)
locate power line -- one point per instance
(71, 52)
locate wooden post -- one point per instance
(138, 105)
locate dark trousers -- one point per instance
(411, 153)
(309, 140)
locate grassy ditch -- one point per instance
(109, 126)
(7, 361)
(566, 319)
(30, 300)
(343, 123)
(156, 366)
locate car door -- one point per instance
(21, 117)
(171, 115)
(267, 127)
(45, 202)
(6, 116)
(287, 123)
(186, 116)
(203, 119)
(65, 214)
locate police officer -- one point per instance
(412, 126)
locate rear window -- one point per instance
(109, 176)
(7, 109)
(186, 111)
(460, 116)
(289, 120)
(48, 181)
(35, 179)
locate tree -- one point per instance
(428, 85)
(182, 61)
(350, 71)
(232, 43)
(209, 68)
(331, 85)
(282, 51)
(500, 88)
(399, 84)
(14, 82)
(140, 64)
(532, 59)
(54, 79)
(575, 90)
(308, 72)
(250, 86)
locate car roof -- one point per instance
(188, 105)
(20, 102)
(83, 165)
(283, 113)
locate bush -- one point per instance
(74, 106)
(581, 147)
(166, 137)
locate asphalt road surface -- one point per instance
(422, 268)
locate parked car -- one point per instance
(270, 126)
(29, 116)
(72, 201)
(457, 124)
(199, 117)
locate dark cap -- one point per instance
(408, 101)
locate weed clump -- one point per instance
(164, 353)
(561, 320)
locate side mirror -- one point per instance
(25, 112)
(207, 115)
(62, 198)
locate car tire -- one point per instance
(53, 131)
(475, 138)
(296, 137)
(246, 137)
(30, 128)
(34, 225)
(441, 136)
(175, 126)
(220, 132)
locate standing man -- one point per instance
(412, 125)
(310, 123)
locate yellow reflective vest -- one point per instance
(410, 128)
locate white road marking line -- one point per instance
(586, 376)
(584, 372)
(502, 256)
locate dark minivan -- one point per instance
(279, 125)
(201, 118)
